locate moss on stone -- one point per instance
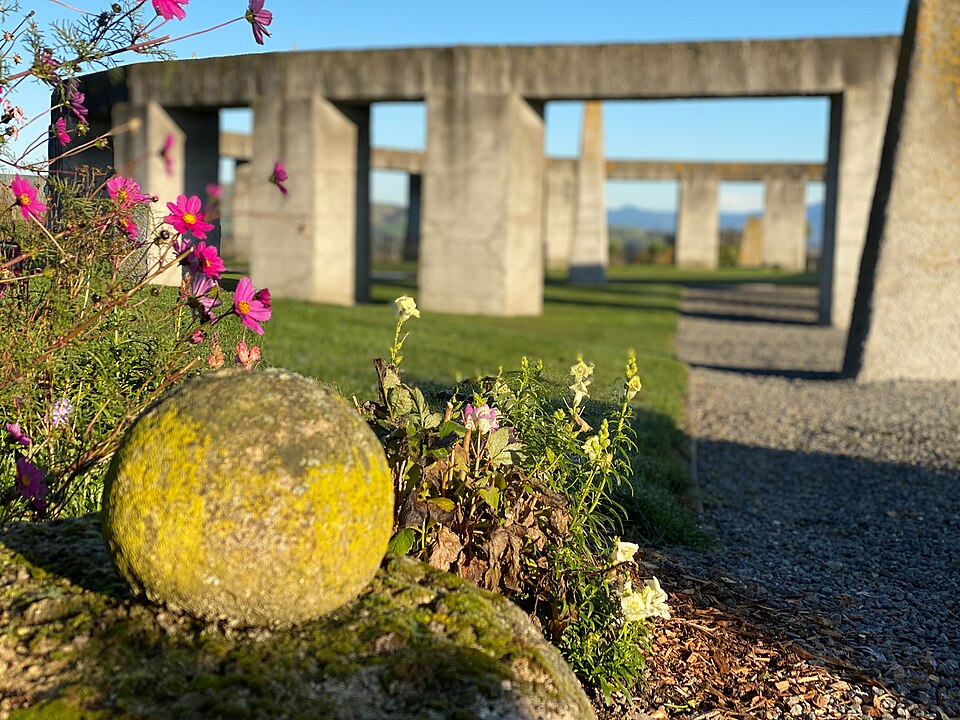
(412, 645)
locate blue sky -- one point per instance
(762, 130)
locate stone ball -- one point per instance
(260, 498)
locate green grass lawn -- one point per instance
(637, 309)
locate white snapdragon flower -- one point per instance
(650, 601)
(406, 308)
(625, 552)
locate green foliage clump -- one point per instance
(511, 487)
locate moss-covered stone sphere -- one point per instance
(261, 498)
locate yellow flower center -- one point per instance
(24, 200)
(244, 307)
(189, 218)
(122, 196)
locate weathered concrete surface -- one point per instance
(312, 243)
(675, 169)
(906, 322)
(590, 253)
(785, 222)
(481, 251)
(417, 643)
(137, 154)
(698, 220)
(236, 246)
(813, 66)
(859, 71)
(236, 145)
(559, 211)
(751, 244)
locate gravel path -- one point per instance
(836, 505)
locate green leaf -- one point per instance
(491, 496)
(497, 442)
(445, 504)
(398, 398)
(402, 541)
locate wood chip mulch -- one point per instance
(722, 655)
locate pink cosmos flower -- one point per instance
(30, 482)
(26, 198)
(251, 311)
(126, 191)
(75, 100)
(279, 175)
(263, 296)
(246, 357)
(61, 128)
(170, 8)
(204, 259)
(196, 337)
(483, 419)
(17, 435)
(185, 216)
(258, 19)
(130, 228)
(204, 298)
(166, 150)
(214, 190)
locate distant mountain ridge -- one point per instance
(666, 221)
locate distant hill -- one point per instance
(666, 222)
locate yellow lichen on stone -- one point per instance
(258, 497)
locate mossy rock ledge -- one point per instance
(416, 644)
(261, 498)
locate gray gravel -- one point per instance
(836, 501)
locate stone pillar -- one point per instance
(785, 222)
(751, 244)
(906, 320)
(137, 154)
(863, 118)
(831, 182)
(411, 243)
(590, 254)
(698, 222)
(241, 209)
(312, 243)
(559, 197)
(480, 249)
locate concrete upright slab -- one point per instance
(312, 243)
(863, 112)
(698, 220)
(906, 320)
(411, 242)
(751, 244)
(590, 254)
(481, 251)
(559, 210)
(138, 154)
(785, 222)
(237, 247)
